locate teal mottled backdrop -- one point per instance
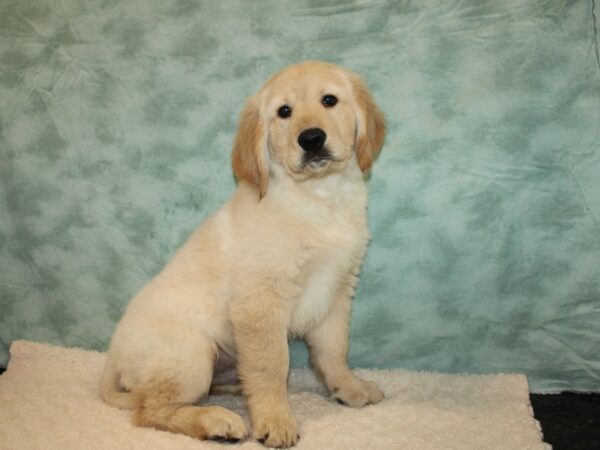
(117, 119)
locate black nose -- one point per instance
(312, 140)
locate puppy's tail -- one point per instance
(109, 390)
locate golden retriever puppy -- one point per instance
(279, 259)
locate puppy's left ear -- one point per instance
(249, 158)
(371, 125)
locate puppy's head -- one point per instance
(311, 119)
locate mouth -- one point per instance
(317, 160)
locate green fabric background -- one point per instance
(117, 119)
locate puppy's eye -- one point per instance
(284, 112)
(329, 100)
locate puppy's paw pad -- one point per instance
(224, 439)
(277, 431)
(358, 393)
(223, 425)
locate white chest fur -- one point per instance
(319, 291)
(338, 244)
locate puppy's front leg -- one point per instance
(260, 328)
(328, 343)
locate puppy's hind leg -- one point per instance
(165, 402)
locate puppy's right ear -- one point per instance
(249, 158)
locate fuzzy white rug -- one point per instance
(49, 400)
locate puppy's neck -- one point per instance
(346, 189)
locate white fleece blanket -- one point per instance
(49, 400)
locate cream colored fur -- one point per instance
(279, 259)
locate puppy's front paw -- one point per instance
(356, 393)
(277, 430)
